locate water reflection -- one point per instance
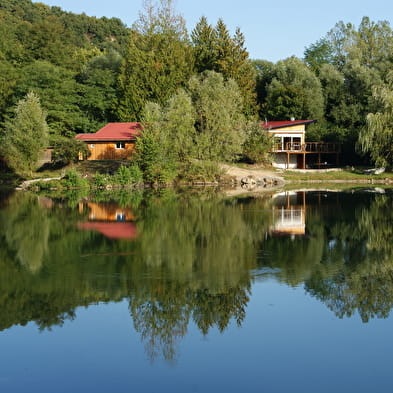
(289, 213)
(108, 218)
(193, 257)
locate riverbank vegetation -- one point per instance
(199, 92)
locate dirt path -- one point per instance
(26, 183)
(256, 173)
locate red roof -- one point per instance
(113, 230)
(271, 125)
(113, 132)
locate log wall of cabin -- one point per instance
(108, 151)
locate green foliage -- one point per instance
(100, 180)
(201, 171)
(60, 94)
(128, 175)
(219, 117)
(204, 40)
(318, 54)
(154, 155)
(99, 79)
(377, 137)
(158, 60)
(25, 135)
(216, 50)
(73, 179)
(179, 123)
(44, 49)
(294, 91)
(258, 144)
(351, 62)
(68, 150)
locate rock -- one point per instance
(374, 171)
(248, 180)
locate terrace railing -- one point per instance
(310, 147)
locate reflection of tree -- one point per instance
(26, 230)
(203, 250)
(363, 256)
(192, 262)
(346, 259)
(161, 320)
(218, 309)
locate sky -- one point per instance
(274, 30)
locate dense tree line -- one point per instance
(87, 71)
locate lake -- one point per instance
(197, 291)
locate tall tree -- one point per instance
(179, 117)
(25, 135)
(219, 116)
(204, 38)
(158, 60)
(216, 50)
(377, 137)
(294, 91)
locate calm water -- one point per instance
(197, 292)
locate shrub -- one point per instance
(73, 179)
(68, 150)
(100, 180)
(128, 175)
(258, 144)
(206, 171)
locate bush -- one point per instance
(69, 150)
(73, 179)
(258, 144)
(128, 175)
(100, 180)
(206, 171)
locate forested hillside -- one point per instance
(87, 71)
(70, 61)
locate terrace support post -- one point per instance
(287, 160)
(319, 161)
(304, 160)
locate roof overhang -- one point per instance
(273, 125)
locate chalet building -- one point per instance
(290, 149)
(115, 141)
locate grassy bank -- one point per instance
(344, 176)
(111, 173)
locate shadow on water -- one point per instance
(182, 257)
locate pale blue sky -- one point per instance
(274, 30)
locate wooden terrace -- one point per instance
(304, 149)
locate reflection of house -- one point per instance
(289, 214)
(109, 219)
(114, 141)
(290, 148)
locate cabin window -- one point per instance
(120, 216)
(120, 145)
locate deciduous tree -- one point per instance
(25, 135)
(377, 137)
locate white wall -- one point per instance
(280, 161)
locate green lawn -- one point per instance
(355, 175)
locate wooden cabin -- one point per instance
(290, 149)
(115, 141)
